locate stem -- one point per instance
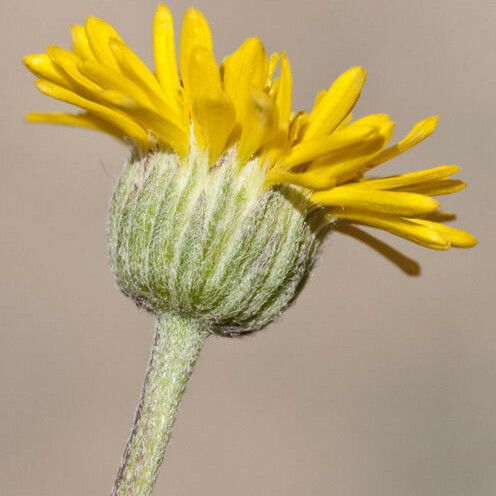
(178, 342)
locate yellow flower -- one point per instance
(244, 105)
(227, 195)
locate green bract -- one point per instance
(210, 243)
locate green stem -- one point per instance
(178, 342)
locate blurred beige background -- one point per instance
(374, 384)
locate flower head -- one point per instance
(243, 104)
(228, 191)
(227, 195)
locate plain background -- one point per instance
(374, 384)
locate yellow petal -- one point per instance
(284, 93)
(99, 34)
(244, 72)
(272, 151)
(336, 103)
(42, 66)
(110, 79)
(273, 61)
(203, 74)
(351, 166)
(348, 166)
(164, 49)
(385, 126)
(115, 118)
(195, 33)
(297, 124)
(203, 78)
(405, 228)
(67, 62)
(136, 70)
(80, 120)
(437, 188)
(419, 132)
(314, 180)
(346, 141)
(167, 132)
(412, 178)
(387, 202)
(80, 43)
(456, 237)
(216, 117)
(259, 126)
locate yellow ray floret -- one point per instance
(164, 49)
(99, 34)
(335, 104)
(245, 103)
(79, 120)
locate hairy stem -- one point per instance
(178, 342)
